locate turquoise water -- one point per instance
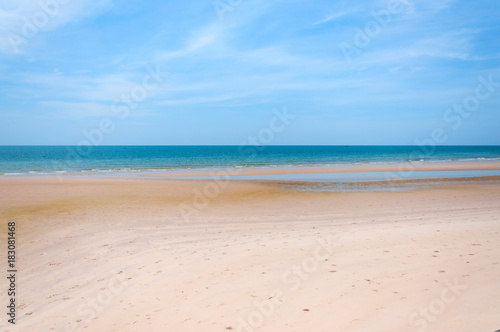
(47, 160)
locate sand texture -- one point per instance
(155, 255)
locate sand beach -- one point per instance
(98, 254)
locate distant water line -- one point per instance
(49, 160)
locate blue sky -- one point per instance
(226, 65)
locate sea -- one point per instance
(92, 160)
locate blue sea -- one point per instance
(126, 160)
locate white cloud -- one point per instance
(78, 109)
(81, 110)
(24, 20)
(203, 100)
(332, 17)
(201, 39)
(103, 88)
(455, 44)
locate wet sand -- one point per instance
(473, 166)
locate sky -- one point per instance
(116, 72)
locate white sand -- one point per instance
(116, 255)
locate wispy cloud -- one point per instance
(82, 110)
(332, 17)
(454, 44)
(201, 39)
(261, 52)
(77, 110)
(24, 20)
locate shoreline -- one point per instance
(252, 171)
